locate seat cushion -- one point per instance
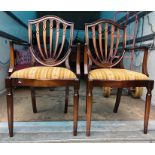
(116, 74)
(44, 73)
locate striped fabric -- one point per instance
(116, 74)
(44, 73)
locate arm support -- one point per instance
(85, 60)
(145, 57)
(12, 54)
(78, 72)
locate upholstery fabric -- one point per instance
(116, 74)
(44, 73)
(23, 57)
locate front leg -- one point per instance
(9, 98)
(147, 106)
(75, 108)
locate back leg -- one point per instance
(118, 98)
(33, 98)
(66, 99)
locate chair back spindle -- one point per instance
(53, 37)
(103, 38)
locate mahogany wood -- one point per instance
(108, 57)
(66, 99)
(34, 107)
(48, 57)
(119, 93)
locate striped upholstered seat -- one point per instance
(44, 73)
(116, 74)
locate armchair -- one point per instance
(50, 53)
(104, 55)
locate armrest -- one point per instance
(145, 57)
(137, 48)
(78, 72)
(20, 43)
(85, 60)
(12, 58)
(12, 54)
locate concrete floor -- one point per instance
(102, 131)
(50, 124)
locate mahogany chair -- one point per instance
(51, 33)
(103, 65)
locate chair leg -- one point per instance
(86, 98)
(147, 108)
(89, 109)
(9, 98)
(66, 99)
(118, 98)
(33, 98)
(75, 109)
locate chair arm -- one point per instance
(12, 58)
(78, 71)
(20, 43)
(12, 54)
(137, 48)
(145, 57)
(85, 60)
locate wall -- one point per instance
(12, 27)
(24, 16)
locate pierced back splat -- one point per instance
(103, 38)
(54, 37)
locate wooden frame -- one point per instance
(14, 82)
(89, 60)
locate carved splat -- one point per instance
(51, 38)
(105, 37)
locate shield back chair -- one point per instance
(51, 33)
(105, 45)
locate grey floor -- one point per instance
(101, 131)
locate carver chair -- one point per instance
(47, 37)
(105, 45)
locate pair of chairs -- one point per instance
(105, 45)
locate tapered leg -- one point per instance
(89, 109)
(118, 98)
(75, 109)
(147, 109)
(86, 97)
(9, 98)
(66, 99)
(33, 98)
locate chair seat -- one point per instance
(116, 74)
(44, 73)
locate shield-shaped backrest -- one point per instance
(106, 41)
(53, 37)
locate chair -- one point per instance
(105, 45)
(51, 33)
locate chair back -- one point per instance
(104, 38)
(51, 39)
